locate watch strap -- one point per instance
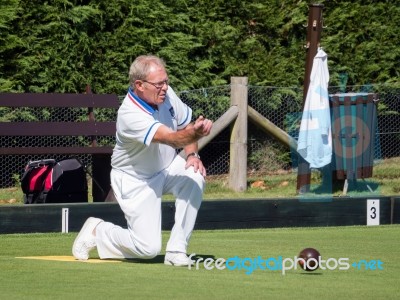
(195, 154)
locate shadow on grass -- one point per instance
(326, 192)
(159, 259)
(310, 273)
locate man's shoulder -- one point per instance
(131, 105)
(172, 96)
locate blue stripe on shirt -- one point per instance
(148, 132)
(187, 116)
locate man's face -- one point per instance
(154, 89)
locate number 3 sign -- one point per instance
(372, 212)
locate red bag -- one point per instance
(51, 181)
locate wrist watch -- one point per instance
(195, 154)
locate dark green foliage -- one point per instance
(362, 39)
(63, 45)
(9, 41)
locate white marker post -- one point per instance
(373, 212)
(64, 220)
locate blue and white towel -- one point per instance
(315, 136)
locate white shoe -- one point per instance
(178, 259)
(86, 240)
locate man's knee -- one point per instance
(197, 180)
(150, 251)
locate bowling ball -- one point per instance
(310, 257)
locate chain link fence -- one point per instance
(12, 166)
(280, 105)
(283, 107)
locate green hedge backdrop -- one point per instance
(62, 45)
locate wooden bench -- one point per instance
(81, 131)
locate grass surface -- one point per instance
(37, 279)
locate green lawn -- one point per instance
(39, 279)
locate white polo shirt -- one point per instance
(137, 122)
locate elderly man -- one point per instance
(152, 123)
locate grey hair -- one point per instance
(140, 67)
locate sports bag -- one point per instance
(51, 181)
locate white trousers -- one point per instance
(140, 201)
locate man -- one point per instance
(152, 122)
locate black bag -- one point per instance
(51, 181)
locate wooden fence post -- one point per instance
(238, 143)
(314, 29)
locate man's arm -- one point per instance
(184, 137)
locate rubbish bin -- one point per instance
(354, 123)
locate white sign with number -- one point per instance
(372, 212)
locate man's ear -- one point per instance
(139, 85)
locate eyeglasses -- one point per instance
(157, 85)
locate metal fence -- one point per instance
(280, 105)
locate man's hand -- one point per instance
(197, 165)
(202, 126)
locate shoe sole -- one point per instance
(168, 263)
